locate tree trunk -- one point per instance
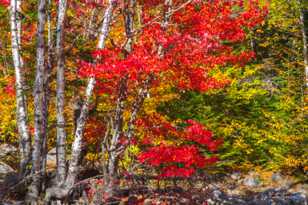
(76, 147)
(113, 154)
(21, 107)
(305, 49)
(61, 135)
(46, 96)
(34, 189)
(115, 149)
(73, 169)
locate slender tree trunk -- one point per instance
(76, 147)
(21, 107)
(61, 135)
(73, 169)
(113, 158)
(111, 176)
(46, 96)
(305, 48)
(137, 105)
(115, 149)
(34, 189)
(147, 84)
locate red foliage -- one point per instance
(198, 39)
(195, 132)
(182, 160)
(10, 87)
(4, 3)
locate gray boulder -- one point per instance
(6, 149)
(276, 177)
(5, 169)
(252, 180)
(51, 159)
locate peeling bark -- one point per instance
(21, 107)
(34, 189)
(46, 96)
(61, 135)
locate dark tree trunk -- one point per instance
(34, 189)
(46, 96)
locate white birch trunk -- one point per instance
(21, 107)
(76, 147)
(305, 49)
(61, 135)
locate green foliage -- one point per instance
(261, 113)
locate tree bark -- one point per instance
(73, 169)
(76, 147)
(305, 48)
(61, 135)
(46, 96)
(34, 189)
(21, 107)
(113, 154)
(115, 149)
(147, 84)
(137, 105)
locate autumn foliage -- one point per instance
(183, 158)
(4, 3)
(167, 90)
(200, 38)
(197, 40)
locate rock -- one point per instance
(278, 197)
(51, 159)
(251, 180)
(5, 169)
(147, 202)
(234, 191)
(298, 199)
(210, 202)
(13, 203)
(300, 188)
(217, 194)
(184, 201)
(6, 149)
(276, 177)
(235, 175)
(196, 198)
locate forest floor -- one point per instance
(230, 189)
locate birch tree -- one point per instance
(21, 106)
(304, 34)
(34, 189)
(61, 135)
(63, 188)
(158, 49)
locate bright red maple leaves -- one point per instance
(182, 160)
(4, 3)
(197, 39)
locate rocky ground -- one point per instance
(252, 188)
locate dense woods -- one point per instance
(102, 98)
